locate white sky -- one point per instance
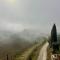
(17, 15)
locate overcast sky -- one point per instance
(17, 15)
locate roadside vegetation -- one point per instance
(49, 53)
(31, 53)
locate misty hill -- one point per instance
(31, 34)
(28, 35)
(12, 42)
(20, 39)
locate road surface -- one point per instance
(43, 52)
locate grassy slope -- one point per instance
(26, 54)
(31, 53)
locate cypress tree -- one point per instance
(54, 41)
(54, 34)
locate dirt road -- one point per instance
(43, 52)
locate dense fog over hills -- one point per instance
(20, 40)
(14, 42)
(29, 35)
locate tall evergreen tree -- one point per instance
(54, 42)
(54, 34)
